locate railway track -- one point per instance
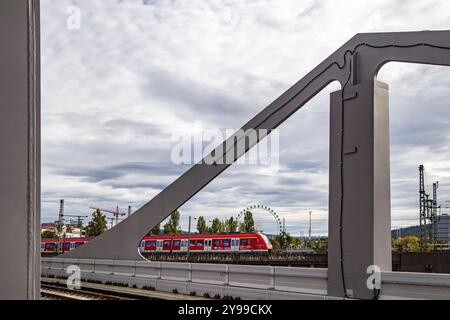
(288, 259)
(55, 289)
(57, 292)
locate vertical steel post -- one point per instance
(309, 230)
(359, 231)
(20, 149)
(422, 208)
(189, 241)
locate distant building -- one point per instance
(443, 228)
(68, 231)
(73, 232)
(48, 227)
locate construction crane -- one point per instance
(116, 214)
(112, 221)
(428, 212)
(60, 217)
(79, 219)
(79, 222)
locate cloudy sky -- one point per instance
(116, 89)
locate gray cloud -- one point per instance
(115, 90)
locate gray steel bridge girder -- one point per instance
(356, 62)
(365, 238)
(20, 150)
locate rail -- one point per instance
(108, 291)
(291, 259)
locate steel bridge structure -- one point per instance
(359, 177)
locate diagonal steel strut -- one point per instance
(357, 60)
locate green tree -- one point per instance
(231, 225)
(275, 245)
(202, 228)
(296, 243)
(49, 234)
(173, 225)
(217, 226)
(97, 225)
(249, 224)
(320, 245)
(284, 239)
(156, 230)
(407, 244)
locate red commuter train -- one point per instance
(223, 242)
(63, 245)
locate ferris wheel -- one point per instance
(266, 209)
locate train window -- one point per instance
(216, 243)
(226, 243)
(244, 242)
(192, 243)
(166, 243)
(199, 243)
(77, 244)
(153, 244)
(176, 243)
(148, 244)
(142, 243)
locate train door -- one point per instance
(159, 245)
(184, 245)
(235, 244)
(208, 244)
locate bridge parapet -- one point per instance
(245, 282)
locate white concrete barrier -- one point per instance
(104, 266)
(259, 277)
(246, 282)
(209, 273)
(302, 280)
(124, 268)
(86, 265)
(411, 285)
